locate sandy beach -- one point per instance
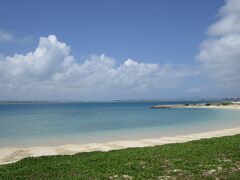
(232, 107)
(211, 106)
(10, 155)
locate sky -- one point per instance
(108, 50)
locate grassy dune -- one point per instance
(202, 159)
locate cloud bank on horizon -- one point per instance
(52, 72)
(51, 67)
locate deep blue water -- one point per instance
(61, 123)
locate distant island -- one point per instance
(119, 100)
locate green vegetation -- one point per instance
(219, 104)
(226, 103)
(203, 159)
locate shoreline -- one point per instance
(12, 154)
(230, 107)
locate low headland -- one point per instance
(221, 105)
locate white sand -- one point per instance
(233, 106)
(9, 155)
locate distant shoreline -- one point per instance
(227, 105)
(106, 101)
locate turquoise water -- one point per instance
(63, 123)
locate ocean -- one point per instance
(36, 124)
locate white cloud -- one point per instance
(9, 37)
(51, 70)
(220, 53)
(229, 22)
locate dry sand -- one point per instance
(9, 155)
(232, 106)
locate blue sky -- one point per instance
(167, 33)
(156, 31)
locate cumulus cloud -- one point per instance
(220, 52)
(51, 68)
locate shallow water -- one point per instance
(24, 125)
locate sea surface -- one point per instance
(35, 124)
